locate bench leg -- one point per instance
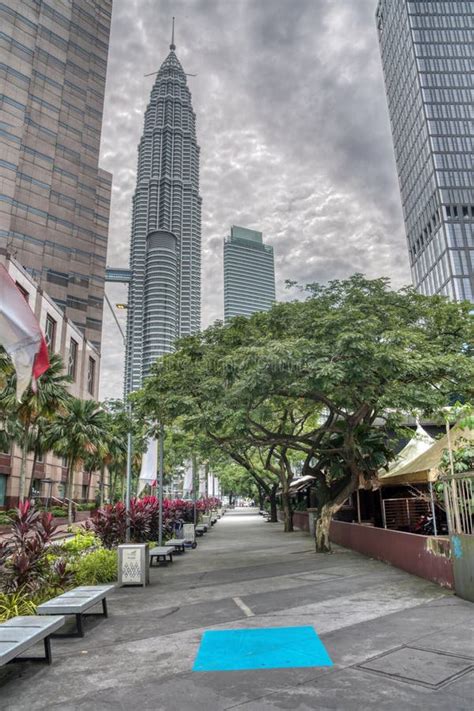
(104, 607)
(80, 628)
(47, 650)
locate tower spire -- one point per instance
(172, 45)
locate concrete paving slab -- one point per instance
(432, 669)
(142, 656)
(356, 690)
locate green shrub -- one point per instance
(5, 519)
(100, 566)
(86, 507)
(14, 604)
(59, 512)
(82, 541)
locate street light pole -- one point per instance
(129, 434)
(160, 487)
(129, 476)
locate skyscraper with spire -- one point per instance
(165, 251)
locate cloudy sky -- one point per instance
(294, 134)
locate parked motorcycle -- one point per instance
(424, 526)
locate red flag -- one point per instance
(20, 334)
(41, 363)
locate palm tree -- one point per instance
(105, 454)
(77, 433)
(7, 370)
(23, 419)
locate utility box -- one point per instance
(133, 564)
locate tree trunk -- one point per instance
(69, 490)
(113, 487)
(30, 488)
(328, 507)
(101, 486)
(261, 498)
(273, 506)
(323, 523)
(23, 463)
(287, 512)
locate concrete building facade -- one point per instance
(54, 198)
(249, 273)
(165, 252)
(426, 50)
(82, 361)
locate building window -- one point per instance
(50, 332)
(23, 291)
(91, 376)
(84, 492)
(36, 487)
(3, 489)
(72, 363)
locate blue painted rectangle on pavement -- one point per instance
(264, 648)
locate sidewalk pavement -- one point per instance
(396, 641)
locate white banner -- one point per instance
(149, 465)
(188, 479)
(202, 481)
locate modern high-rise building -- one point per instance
(426, 50)
(249, 273)
(165, 253)
(54, 202)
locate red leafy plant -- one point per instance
(110, 522)
(23, 563)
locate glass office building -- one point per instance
(426, 50)
(249, 273)
(54, 198)
(165, 251)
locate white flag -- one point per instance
(20, 334)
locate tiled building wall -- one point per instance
(54, 199)
(86, 361)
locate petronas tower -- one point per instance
(165, 251)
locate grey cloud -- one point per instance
(294, 134)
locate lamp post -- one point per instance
(129, 433)
(160, 486)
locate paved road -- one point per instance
(397, 641)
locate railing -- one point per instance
(50, 500)
(404, 513)
(459, 498)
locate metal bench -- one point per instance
(77, 602)
(20, 633)
(178, 545)
(162, 554)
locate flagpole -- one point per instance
(129, 475)
(193, 469)
(160, 488)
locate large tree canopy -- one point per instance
(323, 379)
